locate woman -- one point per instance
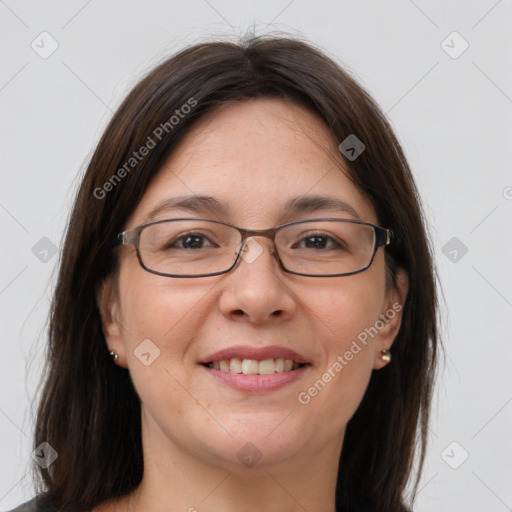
(245, 316)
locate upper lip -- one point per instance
(248, 352)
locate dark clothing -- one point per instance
(36, 504)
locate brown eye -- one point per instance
(319, 241)
(189, 241)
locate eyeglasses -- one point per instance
(190, 247)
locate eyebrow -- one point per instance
(197, 204)
(311, 204)
(210, 205)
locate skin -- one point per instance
(253, 157)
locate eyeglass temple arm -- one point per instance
(127, 237)
(384, 236)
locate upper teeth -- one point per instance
(253, 366)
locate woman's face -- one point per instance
(253, 158)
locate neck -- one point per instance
(177, 478)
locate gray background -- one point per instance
(452, 111)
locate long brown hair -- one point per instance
(89, 411)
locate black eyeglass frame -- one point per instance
(382, 238)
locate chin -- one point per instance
(262, 441)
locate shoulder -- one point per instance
(27, 506)
(38, 504)
(35, 505)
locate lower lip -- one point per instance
(257, 383)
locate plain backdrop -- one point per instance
(440, 70)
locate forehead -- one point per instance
(254, 157)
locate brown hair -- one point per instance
(89, 411)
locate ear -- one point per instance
(107, 299)
(391, 316)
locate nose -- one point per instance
(256, 291)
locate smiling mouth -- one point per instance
(254, 366)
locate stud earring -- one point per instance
(385, 355)
(114, 355)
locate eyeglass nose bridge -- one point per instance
(250, 234)
(267, 233)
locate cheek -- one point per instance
(349, 355)
(166, 311)
(347, 306)
(344, 311)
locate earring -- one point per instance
(114, 355)
(385, 355)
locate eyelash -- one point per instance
(304, 237)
